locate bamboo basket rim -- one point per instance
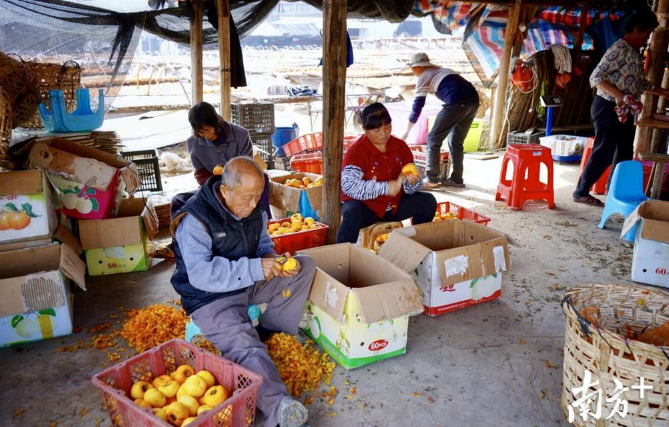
(569, 309)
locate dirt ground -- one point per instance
(497, 364)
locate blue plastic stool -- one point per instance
(82, 119)
(625, 193)
(193, 331)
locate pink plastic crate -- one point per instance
(115, 383)
(462, 213)
(294, 242)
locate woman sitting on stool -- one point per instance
(373, 187)
(214, 142)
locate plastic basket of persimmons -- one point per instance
(179, 384)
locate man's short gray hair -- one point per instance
(237, 168)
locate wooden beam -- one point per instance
(567, 3)
(503, 74)
(526, 16)
(196, 53)
(334, 106)
(658, 49)
(223, 12)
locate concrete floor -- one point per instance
(497, 364)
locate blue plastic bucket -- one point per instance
(282, 136)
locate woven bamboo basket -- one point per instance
(5, 128)
(20, 86)
(602, 322)
(65, 77)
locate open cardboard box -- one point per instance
(90, 182)
(455, 263)
(27, 205)
(650, 262)
(307, 201)
(35, 300)
(121, 244)
(359, 305)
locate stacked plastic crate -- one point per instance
(258, 119)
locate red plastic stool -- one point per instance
(600, 185)
(527, 160)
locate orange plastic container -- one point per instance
(307, 142)
(462, 213)
(308, 162)
(294, 242)
(115, 383)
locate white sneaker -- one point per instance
(292, 413)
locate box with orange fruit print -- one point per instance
(26, 207)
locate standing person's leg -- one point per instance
(285, 298)
(624, 145)
(418, 206)
(607, 131)
(355, 215)
(456, 144)
(226, 324)
(446, 119)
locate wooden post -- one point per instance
(503, 74)
(658, 49)
(223, 12)
(578, 41)
(196, 53)
(334, 80)
(659, 135)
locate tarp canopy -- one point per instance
(105, 33)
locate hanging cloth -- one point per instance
(237, 72)
(349, 51)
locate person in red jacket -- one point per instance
(372, 184)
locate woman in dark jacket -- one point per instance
(214, 142)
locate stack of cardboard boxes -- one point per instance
(69, 190)
(360, 302)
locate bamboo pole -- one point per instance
(223, 12)
(658, 49)
(334, 78)
(503, 75)
(196, 53)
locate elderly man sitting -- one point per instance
(225, 261)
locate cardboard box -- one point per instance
(122, 244)
(650, 262)
(61, 235)
(307, 201)
(456, 263)
(90, 182)
(35, 300)
(26, 207)
(359, 305)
